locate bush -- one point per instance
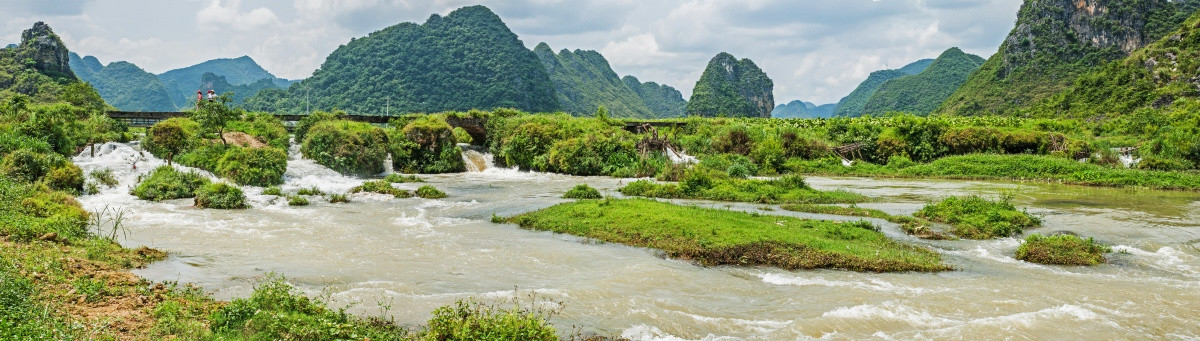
(220, 196)
(171, 137)
(472, 321)
(900, 161)
(1062, 250)
(67, 177)
(296, 200)
(583, 191)
(277, 311)
(735, 165)
(166, 183)
(381, 187)
(1152, 162)
(593, 154)
(105, 177)
(312, 120)
(428, 192)
(263, 126)
(253, 166)
(352, 148)
(426, 145)
(31, 211)
(28, 165)
(462, 136)
(273, 190)
(975, 217)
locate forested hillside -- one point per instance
(466, 60)
(732, 88)
(39, 69)
(662, 99)
(801, 109)
(122, 84)
(1054, 42)
(852, 105)
(922, 93)
(584, 81)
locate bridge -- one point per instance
(476, 127)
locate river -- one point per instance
(406, 257)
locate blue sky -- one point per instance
(815, 50)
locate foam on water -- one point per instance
(1167, 258)
(872, 284)
(644, 332)
(306, 173)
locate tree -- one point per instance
(213, 115)
(169, 137)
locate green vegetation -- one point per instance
(468, 59)
(1029, 167)
(105, 177)
(922, 93)
(663, 100)
(429, 192)
(975, 217)
(854, 104)
(296, 200)
(400, 178)
(583, 191)
(801, 109)
(167, 183)
(347, 147)
(183, 82)
(563, 144)
(716, 237)
(710, 185)
(273, 190)
(220, 195)
(1062, 250)
(381, 187)
(253, 166)
(914, 226)
(310, 191)
(261, 161)
(338, 199)
(425, 145)
(583, 81)
(733, 88)
(467, 320)
(171, 137)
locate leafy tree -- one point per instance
(214, 115)
(170, 137)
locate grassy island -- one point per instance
(717, 237)
(1062, 250)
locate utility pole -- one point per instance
(388, 113)
(306, 107)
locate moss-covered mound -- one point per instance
(975, 217)
(430, 192)
(716, 237)
(53, 170)
(1062, 250)
(220, 196)
(426, 145)
(352, 148)
(253, 166)
(167, 183)
(582, 191)
(381, 187)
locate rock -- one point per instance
(733, 88)
(49, 237)
(47, 51)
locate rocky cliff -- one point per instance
(733, 88)
(40, 45)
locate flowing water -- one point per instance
(414, 255)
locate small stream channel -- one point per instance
(414, 255)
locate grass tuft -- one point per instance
(583, 191)
(381, 187)
(1062, 250)
(429, 192)
(400, 179)
(974, 217)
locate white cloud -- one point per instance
(222, 15)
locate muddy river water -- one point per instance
(406, 257)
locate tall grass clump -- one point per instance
(381, 187)
(278, 311)
(975, 217)
(1062, 249)
(430, 192)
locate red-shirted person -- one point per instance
(199, 96)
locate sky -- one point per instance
(814, 50)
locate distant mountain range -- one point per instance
(128, 87)
(801, 109)
(853, 105)
(923, 92)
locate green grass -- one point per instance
(1047, 168)
(429, 192)
(296, 200)
(911, 225)
(220, 196)
(167, 183)
(583, 191)
(708, 185)
(338, 198)
(273, 190)
(974, 217)
(717, 237)
(310, 191)
(381, 187)
(1062, 250)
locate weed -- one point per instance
(582, 191)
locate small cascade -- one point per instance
(306, 173)
(477, 159)
(679, 158)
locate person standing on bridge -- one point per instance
(212, 95)
(199, 96)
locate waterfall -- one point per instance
(679, 158)
(476, 158)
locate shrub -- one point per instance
(338, 198)
(737, 166)
(30, 211)
(296, 200)
(273, 190)
(466, 320)
(167, 183)
(400, 179)
(1062, 250)
(428, 192)
(277, 311)
(253, 166)
(583, 191)
(352, 148)
(975, 217)
(28, 165)
(734, 141)
(1158, 163)
(381, 187)
(900, 161)
(462, 136)
(311, 120)
(105, 177)
(67, 177)
(426, 145)
(263, 126)
(593, 154)
(220, 196)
